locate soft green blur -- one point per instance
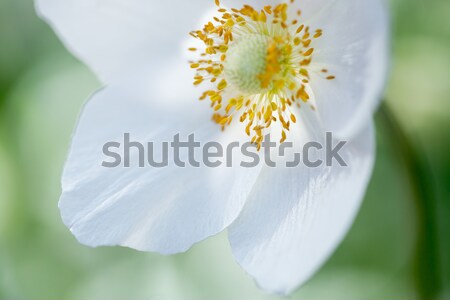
(42, 88)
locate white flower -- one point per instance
(282, 223)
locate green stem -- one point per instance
(427, 266)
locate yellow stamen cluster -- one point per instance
(258, 63)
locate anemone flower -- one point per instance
(293, 70)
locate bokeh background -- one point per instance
(42, 88)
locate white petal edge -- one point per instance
(163, 210)
(114, 37)
(355, 48)
(295, 218)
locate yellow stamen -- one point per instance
(262, 58)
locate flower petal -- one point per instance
(116, 36)
(165, 210)
(354, 48)
(296, 217)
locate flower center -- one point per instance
(259, 63)
(246, 61)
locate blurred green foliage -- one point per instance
(42, 88)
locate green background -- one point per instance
(42, 88)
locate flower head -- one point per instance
(298, 69)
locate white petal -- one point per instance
(295, 218)
(238, 4)
(116, 36)
(165, 210)
(354, 48)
